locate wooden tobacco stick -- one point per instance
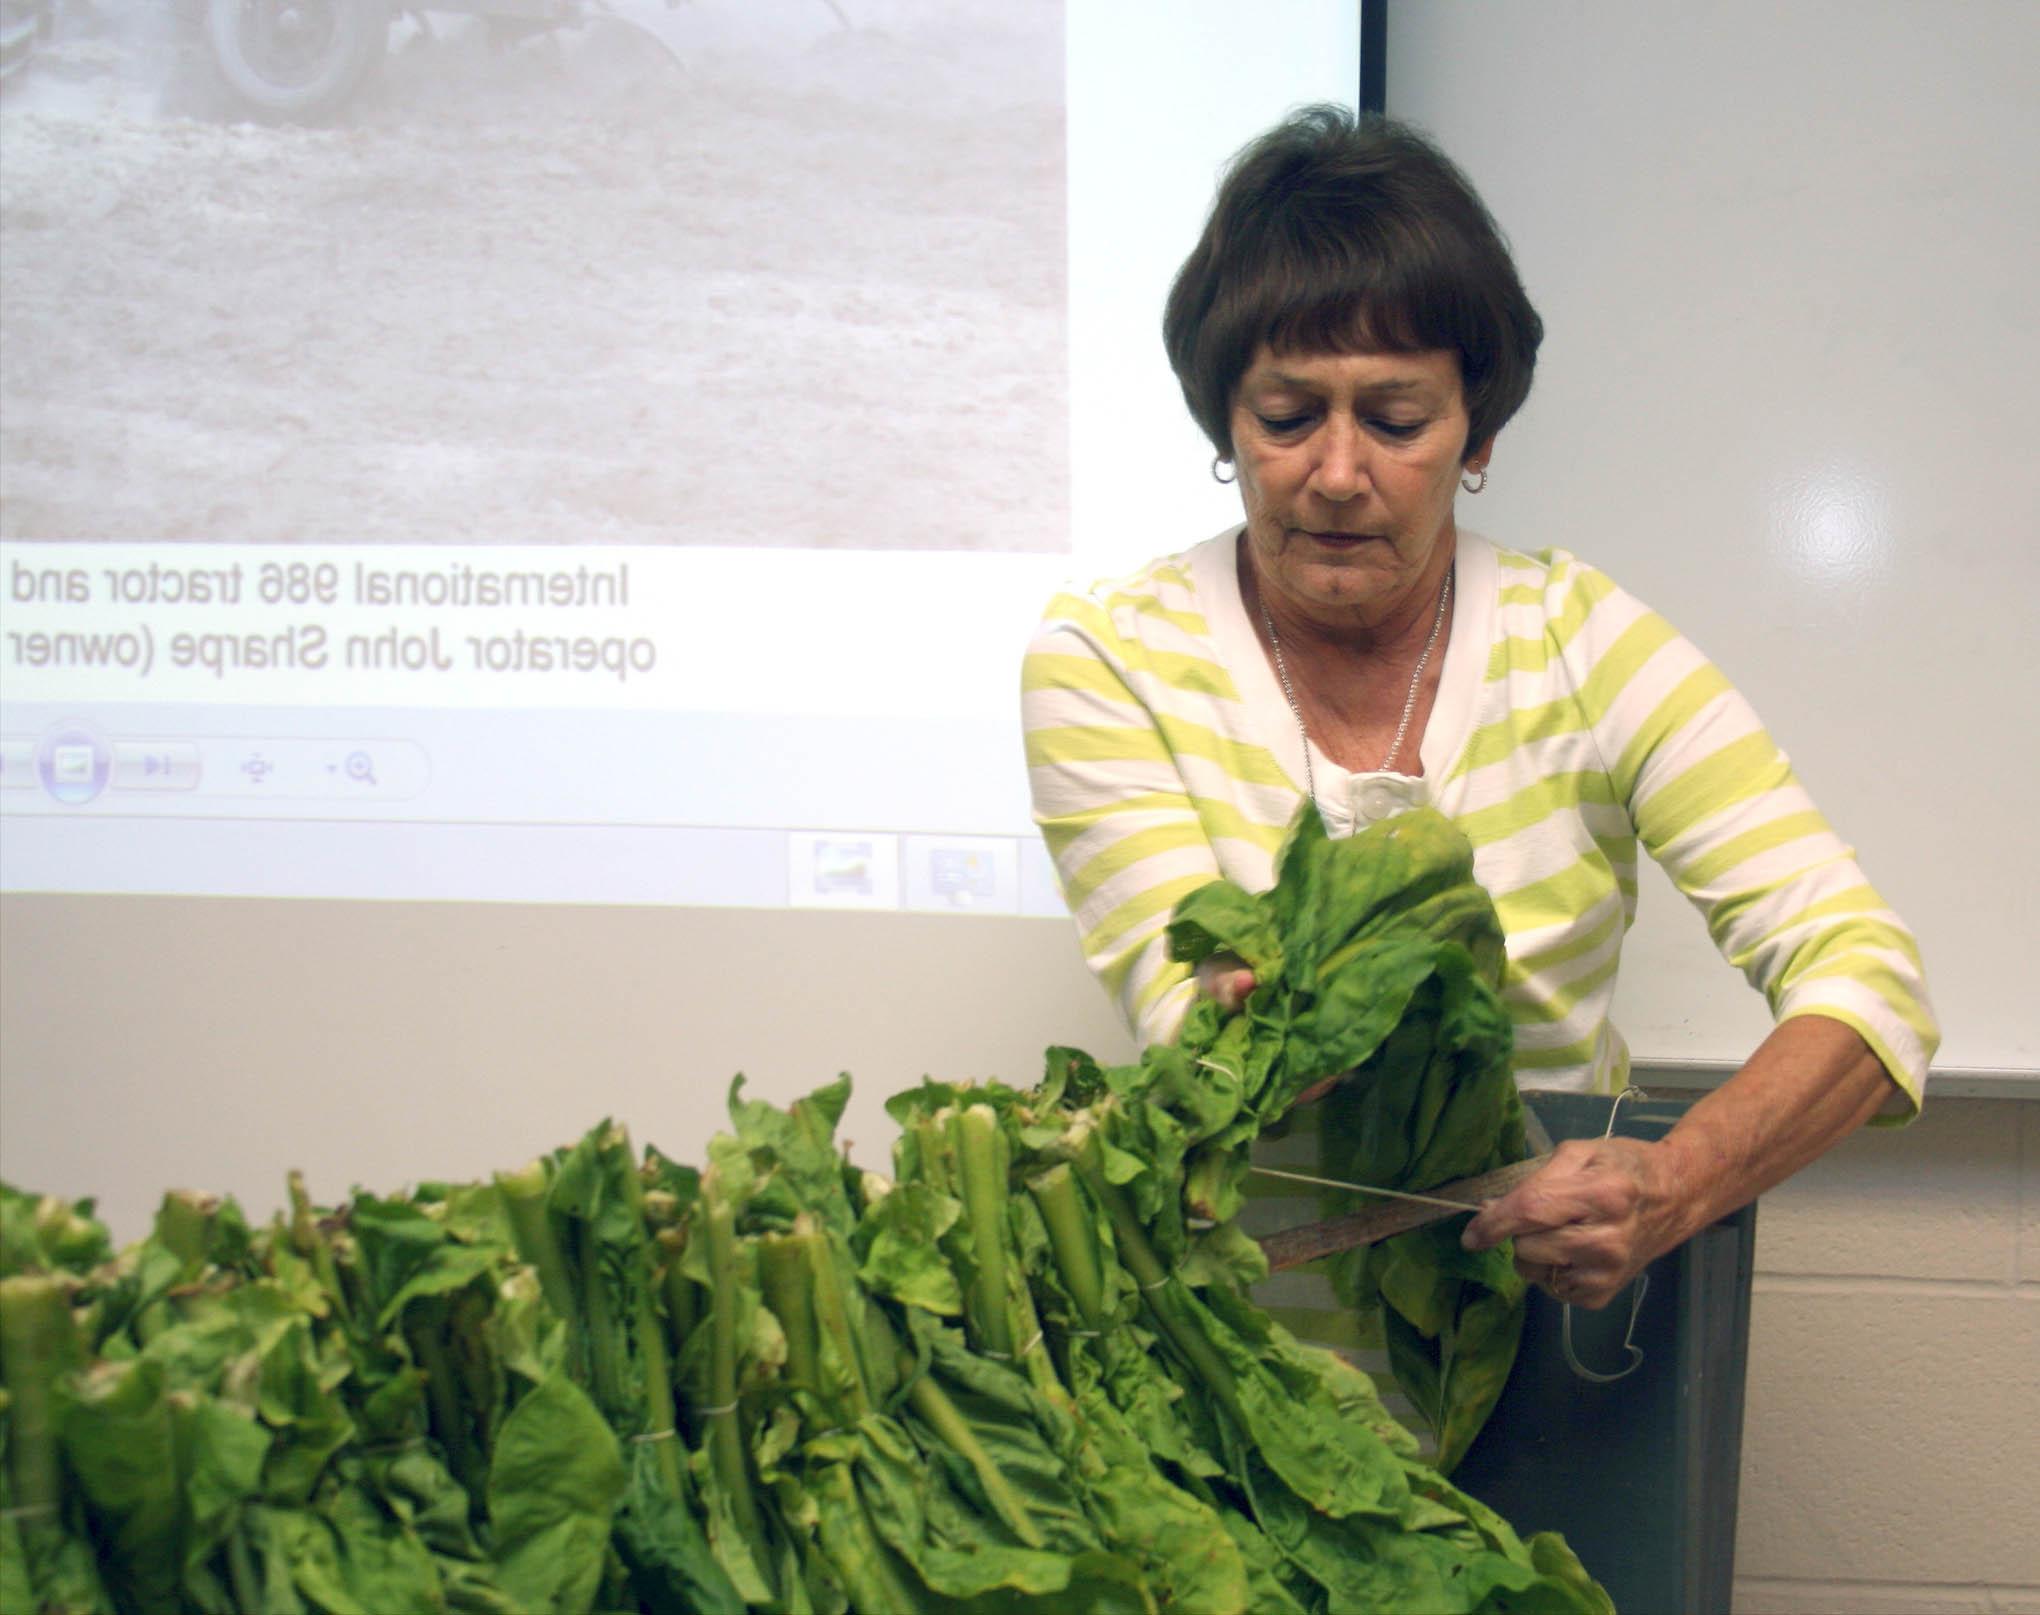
(1292, 1247)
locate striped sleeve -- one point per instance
(1716, 803)
(1148, 776)
(1113, 808)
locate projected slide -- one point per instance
(600, 461)
(797, 284)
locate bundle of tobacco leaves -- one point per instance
(1021, 1374)
(1378, 957)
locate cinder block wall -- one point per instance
(1891, 1445)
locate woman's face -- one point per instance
(1348, 463)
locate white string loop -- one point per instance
(1642, 1282)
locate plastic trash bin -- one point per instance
(1640, 1475)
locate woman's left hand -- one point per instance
(1602, 1211)
(1589, 1222)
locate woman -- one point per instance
(1352, 336)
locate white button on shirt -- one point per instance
(1383, 796)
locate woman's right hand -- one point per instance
(1225, 978)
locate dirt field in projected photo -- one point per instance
(803, 287)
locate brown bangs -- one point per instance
(1337, 235)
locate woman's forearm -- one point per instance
(1810, 1084)
(1603, 1209)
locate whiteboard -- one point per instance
(1786, 258)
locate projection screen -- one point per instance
(592, 469)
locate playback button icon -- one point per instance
(155, 765)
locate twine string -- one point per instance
(1642, 1283)
(1595, 1376)
(1366, 1188)
(1590, 1375)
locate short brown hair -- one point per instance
(1337, 233)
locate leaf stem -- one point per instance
(683, 1305)
(1158, 1287)
(37, 1337)
(606, 1369)
(524, 1197)
(833, 1322)
(425, 1326)
(1069, 1236)
(975, 1130)
(933, 1404)
(653, 1362)
(241, 1572)
(725, 1437)
(782, 1274)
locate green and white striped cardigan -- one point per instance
(1571, 722)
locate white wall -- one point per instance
(213, 1043)
(1785, 254)
(1892, 1433)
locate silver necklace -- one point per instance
(1409, 705)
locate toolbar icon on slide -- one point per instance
(155, 765)
(953, 874)
(73, 765)
(835, 869)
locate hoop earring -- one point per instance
(1475, 487)
(1218, 460)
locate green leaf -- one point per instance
(214, 1329)
(396, 1240)
(554, 1484)
(672, 1569)
(448, 1268)
(17, 1589)
(527, 1337)
(797, 1146)
(348, 1556)
(43, 1234)
(311, 1422)
(1226, 1254)
(60, 1572)
(220, 1456)
(119, 1444)
(898, 1243)
(1224, 918)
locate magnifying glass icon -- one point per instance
(361, 766)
